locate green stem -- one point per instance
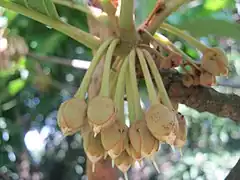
(171, 6)
(121, 107)
(148, 34)
(111, 11)
(114, 74)
(158, 79)
(148, 80)
(191, 40)
(126, 14)
(130, 97)
(113, 82)
(71, 31)
(164, 41)
(119, 95)
(133, 83)
(126, 23)
(86, 79)
(121, 101)
(154, 51)
(104, 91)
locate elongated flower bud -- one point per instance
(160, 121)
(141, 139)
(132, 152)
(124, 162)
(113, 139)
(93, 148)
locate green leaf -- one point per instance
(191, 52)
(216, 5)
(10, 15)
(54, 40)
(15, 86)
(144, 8)
(199, 12)
(71, 31)
(201, 27)
(45, 7)
(51, 9)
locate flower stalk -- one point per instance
(126, 22)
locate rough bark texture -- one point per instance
(234, 173)
(202, 98)
(104, 171)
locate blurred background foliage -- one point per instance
(31, 145)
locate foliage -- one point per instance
(27, 104)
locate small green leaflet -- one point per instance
(15, 86)
(216, 5)
(45, 7)
(143, 9)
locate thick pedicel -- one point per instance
(93, 148)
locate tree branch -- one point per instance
(109, 8)
(203, 99)
(197, 97)
(162, 13)
(234, 173)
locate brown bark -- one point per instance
(202, 98)
(234, 173)
(103, 171)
